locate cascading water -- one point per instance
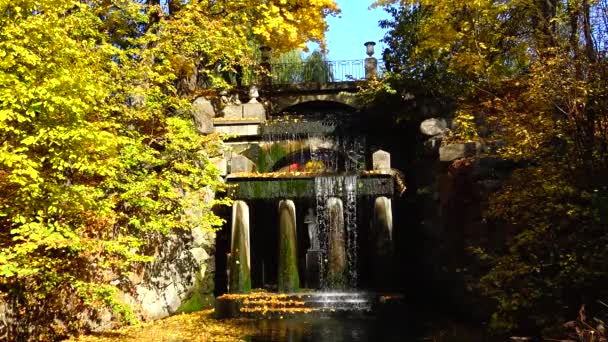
(343, 187)
(350, 221)
(322, 192)
(337, 159)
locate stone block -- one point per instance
(381, 160)
(455, 151)
(254, 111)
(433, 126)
(233, 111)
(238, 130)
(241, 164)
(222, 165)
(371, 68)
(202, 115)
(203, 106)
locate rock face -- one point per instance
(181, 276)
(336, 251)
(202, 115)
(455, 151)
(287, 277)
(433, 126)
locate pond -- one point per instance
(326, 329)
(358, 329)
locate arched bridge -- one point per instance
(310, 96)
(330, 82)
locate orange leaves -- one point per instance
(197, 326)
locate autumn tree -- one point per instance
(98, 154)
(533, 73)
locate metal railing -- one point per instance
(305, 72)
(317, 71)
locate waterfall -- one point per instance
(322, 193)
(338, 159)
(350, 220)
(343, 187)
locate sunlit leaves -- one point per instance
(98, 153)
(528, 78)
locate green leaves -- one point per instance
(85, 178)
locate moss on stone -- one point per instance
(197, 302)
(269, 155)
(273, 188)
(240, 274)
(288, 279)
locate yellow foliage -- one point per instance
(97, 150)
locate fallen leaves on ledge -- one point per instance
(196, 326)
(301, 174)
(221, 119)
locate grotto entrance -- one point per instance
(312, 211)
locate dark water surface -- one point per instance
(326, 329)
(360, 329)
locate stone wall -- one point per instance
(465, 174)
(181, 277)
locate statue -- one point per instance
(313, 231)
(313, 255)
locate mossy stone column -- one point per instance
(382, 243)
(336, 251)
(288, 278)
(240, 255)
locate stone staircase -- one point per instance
(273, 305)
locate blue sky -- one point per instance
(353, 27)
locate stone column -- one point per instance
(382, 243)
(288, 279)
(336, 246)
(381, 161)
(240, 255)
(371, 63)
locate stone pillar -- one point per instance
(381, 160)
(240, 255)
(336, 246)
(382, 243)
(288, 279)
(371, 63)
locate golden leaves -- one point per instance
(197, 326)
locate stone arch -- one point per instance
(319, 107)
(345, 101)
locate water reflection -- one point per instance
(326, 329)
